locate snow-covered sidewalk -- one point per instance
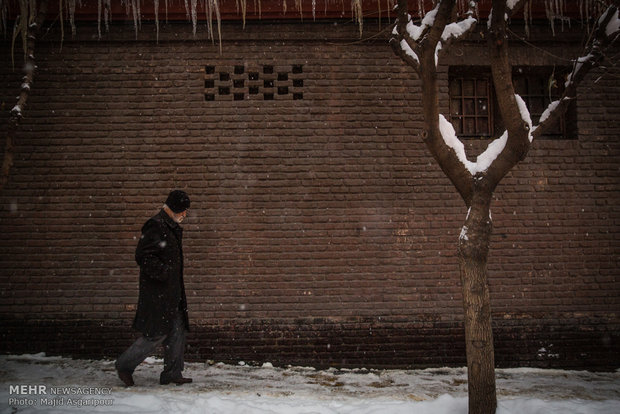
(60, 385)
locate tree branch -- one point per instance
(418, 47)
(511, 107)
(441, 142)
(455, 31)
(403, 43)
(605, 34)
(18, 110)
(443, 17)
(515, 8)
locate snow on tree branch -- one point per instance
(613, 27)
(418, 32)
(407, 37)
(606, 33)
(458, 29)
(494, 149)
(525, 115)
(29, 69)
(512, 7)
(455, 31)
(413, 42)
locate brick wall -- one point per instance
(321, 231)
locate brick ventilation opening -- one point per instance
(260, 82)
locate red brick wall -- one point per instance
(321, 231)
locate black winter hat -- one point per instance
(178, 201)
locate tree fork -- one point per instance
(17, 111)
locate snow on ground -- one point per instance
(78, 386)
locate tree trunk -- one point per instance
(473, 252)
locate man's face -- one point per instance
(179, 217)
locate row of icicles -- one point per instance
(555, 11)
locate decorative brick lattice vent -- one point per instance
(266, 82)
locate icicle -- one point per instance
(244, 10)
(62, 25)
(209, 16)
(156, 7)
(72, 15)
(99, 18)
(213, 6)
(527, 17)
(556, 10)
(358, 15)
(300, 9)
(102, 9)
(3, 13)
(260, 8)
(134, 9)
(194, 17)
(107, 14)
(313, 9)
(581, 10)
(549, 12)
(216, 4)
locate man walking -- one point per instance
(161, 316)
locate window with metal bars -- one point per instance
(473, 107)
(470, 105)
(538, 87)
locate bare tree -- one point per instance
(420, 46)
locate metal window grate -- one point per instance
(470, 109)
(473, 106)
(539, 86)
(259, 82)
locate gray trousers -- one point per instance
(174, 348)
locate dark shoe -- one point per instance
(126, 378)
(178, 381)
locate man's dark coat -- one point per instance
(162, 292)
